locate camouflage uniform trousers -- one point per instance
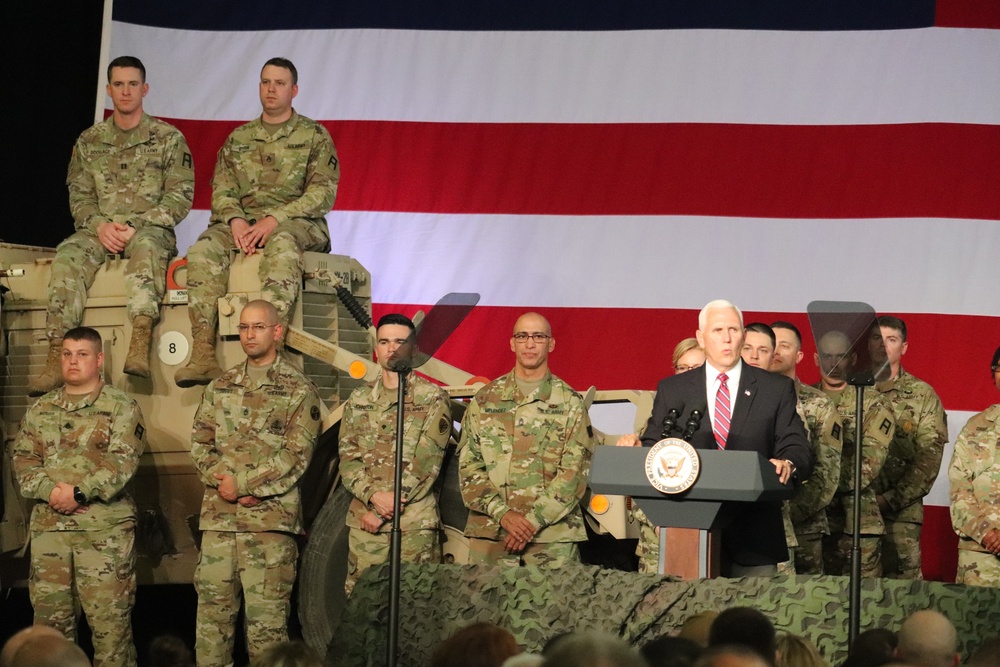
(901, 550)
(77, 260)
(92, 569)
(280, 269)
(366, 550)
(837, 554)
(809, 554)
(542, 554)
(648, 548)
(978, 568)
(262, 567)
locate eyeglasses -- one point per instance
(538, 337)
(995, 368)
(685, 369)
(257, 328)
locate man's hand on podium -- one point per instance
(628, 440)
(784, 469)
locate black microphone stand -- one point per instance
(402, 370)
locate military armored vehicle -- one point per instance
(330, 339)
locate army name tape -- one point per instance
(672, 466)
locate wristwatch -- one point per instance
(78, 496)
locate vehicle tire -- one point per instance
(323, 572)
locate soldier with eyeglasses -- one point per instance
(523, 459)
(252, 438)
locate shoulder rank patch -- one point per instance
(443, 426)
(885, 426)
(139, 431)
(314, 413)
(836, 431)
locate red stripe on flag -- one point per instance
(967, 14)
(843, 171)
(631, 348)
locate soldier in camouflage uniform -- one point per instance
(275, 179)
(974, 474)
(524, 457)
(252, 438)
(367, 458)
(807, 509)
(77, 449)
(914, 457)
(131, 179)
(835, 360)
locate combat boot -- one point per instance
(202, 368)
(51, 377)
(137, 361)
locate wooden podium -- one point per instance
(689, 521)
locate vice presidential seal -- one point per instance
(672, 466)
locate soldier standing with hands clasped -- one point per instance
(252, 438)
(524, 457)
(368, 458)
(77, 450)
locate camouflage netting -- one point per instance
(537, 604)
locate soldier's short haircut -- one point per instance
(396, 318)
(761, 328)
(127, 61)
(891, 322)
(782, 324)
(85, 333)
(287, 64)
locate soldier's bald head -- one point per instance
(532, 322)
(263, 308)
(21, 637)
(927, 638)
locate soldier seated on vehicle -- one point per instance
(131, 180)
(275, 179)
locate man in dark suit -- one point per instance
(746, 409)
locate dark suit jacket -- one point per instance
(764, 420)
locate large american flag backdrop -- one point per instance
(616, 165)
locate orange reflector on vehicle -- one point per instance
(599, 504)
(357, 369)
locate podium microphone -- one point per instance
(693, 422)
(670, 421)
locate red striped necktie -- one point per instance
(720, 425)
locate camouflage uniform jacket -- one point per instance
(262, 435)
(368, 449)
(93, 443)
(877, 434)
(291, 174)
(974, 474)
(144, 177)
(530, 454)
(825, 427)
(917, 446)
